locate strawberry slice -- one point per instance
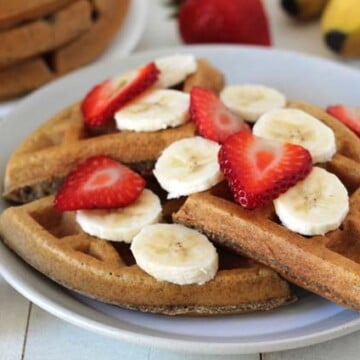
(99, 183)
(347, 116)
(101, 103)
(221, 21)
(258, 170)
(212, 119)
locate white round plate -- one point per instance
(310, 320)
(131, 30)
(124, 42)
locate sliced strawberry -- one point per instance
(347, 116)
(99, 183)
(224, 21)
(101, 103)
(212, 119)
(258, 170)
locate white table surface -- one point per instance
(27, 332)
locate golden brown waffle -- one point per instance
(40, 163)
(43, 35)
(18, 11)
(107, 16)
(328, 265)
(52, 243)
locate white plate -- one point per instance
(310, 320)
(124, 42)
(131, 30)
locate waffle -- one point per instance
(17, 11)
(43, 35)
(40, 163)
(328, 265)
(52, 243)
(107, 16)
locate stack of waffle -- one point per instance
(43, 39)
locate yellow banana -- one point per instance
(304, 9)
(341, 27)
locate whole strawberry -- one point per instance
(224, 21)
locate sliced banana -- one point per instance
(175, 69)
(315, 205)
(175, 253)
(124, 223)
(298, 127)
(251, 101)
(156, 110)
(187, 166)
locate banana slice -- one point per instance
(156, 110)
(251, 101)
(188, 166)
(315, 205)
(297, 127)
(175, 69)
(124, 223)
(175, 253)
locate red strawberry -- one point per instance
(100, 104)
(212, 119)
(347, 116)
(224, 21)
(99, 183)
(258, 170)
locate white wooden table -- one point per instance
(27, 332)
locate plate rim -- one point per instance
(140, 9)
(170, 343)
(182, 346)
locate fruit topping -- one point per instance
(156, 110)
(187, 166)
(298, 127)
(212, 119)
(175, 69)
(315, 205)
(99, 183)
(258, 170)
(347, 116)
(121, 224)
(251, 101)
(175, 253)
(101, 103)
